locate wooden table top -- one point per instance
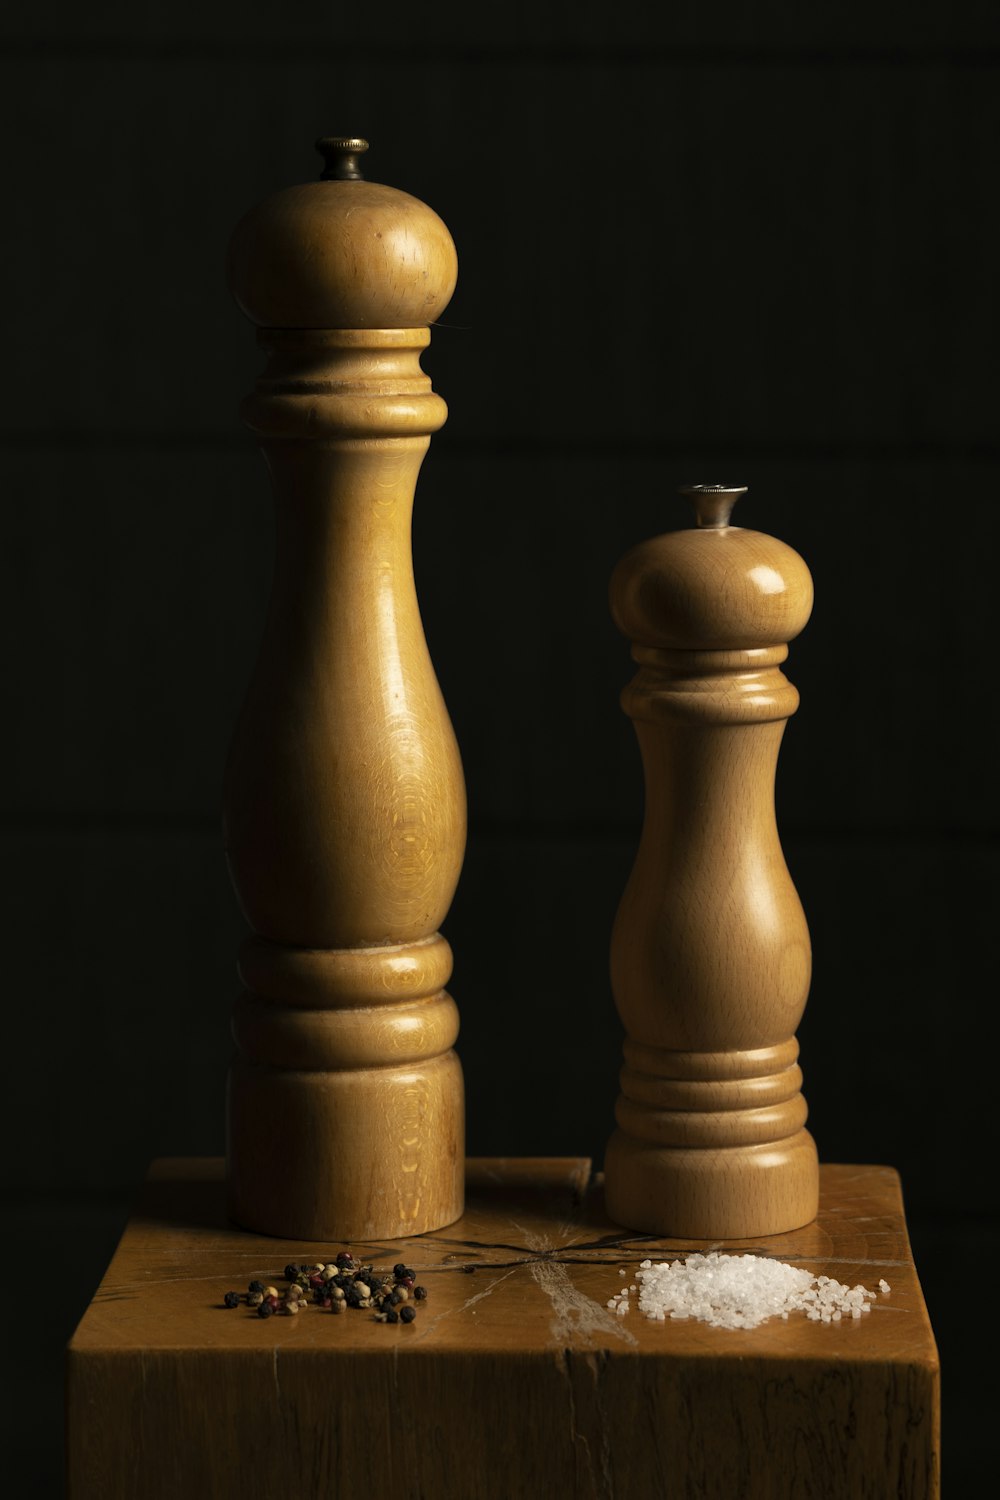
(529, 1268)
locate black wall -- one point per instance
(696, 241)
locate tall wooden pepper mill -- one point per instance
(710, 956)
(344, 801)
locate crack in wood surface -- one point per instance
(588, 1418)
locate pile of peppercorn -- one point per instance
(340, 1284)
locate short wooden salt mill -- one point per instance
(710, 955)
(344, 800)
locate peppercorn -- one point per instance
(394, 1299)
(265, 1309)
(345, 1259)
(402, 1295)
(255, 1299)
(420, 1292)
(392, 1316)
(337, 1307)
(352, 1296)
(231, 1299)
(407, 1314)
(291, 1272)
(256, 1286)
(292, 1306)
(304, 1267)
(399, 1270)
(337, 1293)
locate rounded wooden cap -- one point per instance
(713, 588)
(342, 253)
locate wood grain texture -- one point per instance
(710, 955)
(515, 1380)
(344, 800)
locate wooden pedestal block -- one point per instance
(515, 1380)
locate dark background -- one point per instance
(696, 241)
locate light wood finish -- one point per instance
(514, 1382)
(344, 799)
(710, 955)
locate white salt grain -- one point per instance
(740, 1291)
(883, 1287)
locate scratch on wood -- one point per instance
(842, 1260)
(469, 1302)
(576, 1317)
(137, 1287)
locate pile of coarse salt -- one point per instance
(740, 1291)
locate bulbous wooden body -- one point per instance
(344, 799)
(345, 814)
(710, 955)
